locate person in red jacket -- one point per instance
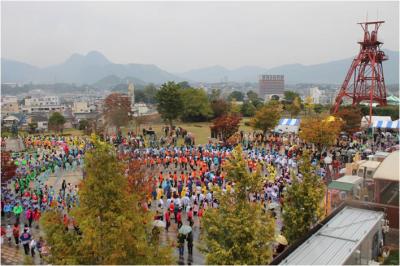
(190, 216)
(167, 220)
(179, 218)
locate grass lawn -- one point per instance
(201, 130)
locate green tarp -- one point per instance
(340, 186)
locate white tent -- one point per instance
(365, 119)
(389, 168)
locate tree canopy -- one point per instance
(320, 130)
(303, 205)
(351, 117)
(196, 105)
(268, 116)
(169, 102)
(225, 126)
(289, 96)
(56, 121)
(115, 229)
(236, 95)
(117, 108)
(238, 232)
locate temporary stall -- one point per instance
(370, 168)
(348, 186)
(387, 179)
(287, 125)
(386, 124)
(365, 120)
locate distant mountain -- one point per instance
(331, 72)
(82, 69)
(112, 81)
(96, 68)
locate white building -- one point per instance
(316, 94)
(43, 104)
(80, 107)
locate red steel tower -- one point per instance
(364, 80)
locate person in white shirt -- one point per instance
(32, 246)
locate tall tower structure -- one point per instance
(364, 80)
(131, 94)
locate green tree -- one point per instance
(289, 96)
(220, 107)
(56, 121)
(236, 95)
(214, 95)
(248, 109)
(184, 84)
(170, 102)
(32, 127)
(196, 107)
(115, 228)
(239, 231)
(255, 100)
(318, 108)
(83, 124)
(268, 116)
(303, 206)
(150, 92)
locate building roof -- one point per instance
(11, 118)
(334, 243)
(340, 186)
(350, 179)
(370, 164)
(389, 168)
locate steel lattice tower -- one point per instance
(364, 80)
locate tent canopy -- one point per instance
(386, 124)
(289, 122)
(389, 168)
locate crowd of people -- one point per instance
(183, 176)
(27, 194)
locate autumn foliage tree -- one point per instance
(303, 206)
(8, 167)
(115, 228)
(238, 232)
(117, 108)
(268, 116)
(320, 130)
(351, 117)
(225, 126)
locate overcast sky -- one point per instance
(180, 36)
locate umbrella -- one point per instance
(185, 229)
(158, 223)
(281, 240)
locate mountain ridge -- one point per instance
(94, 66)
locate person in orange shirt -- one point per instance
(175, 179)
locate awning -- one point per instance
(340, 186)
(289, 122)
(386, 124)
